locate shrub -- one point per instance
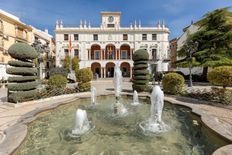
(75, 63)
(84, 86)
(158, 76)
(140, 72)
(59, 70)
(221, 76)
(22, 96)
(21, 71)
(21, 78)
(18, 63)
(24, 85)
(84, 75)
(57, 82)
(22, 51)
(173, 83)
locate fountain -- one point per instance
(155, 125)
(93, 96)
(82, 124)
(135, 98)
(118, 107)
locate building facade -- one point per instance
(100, 48)
(12, 30)
(173, 52)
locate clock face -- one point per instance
(111, 19)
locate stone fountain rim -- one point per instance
(21, 127)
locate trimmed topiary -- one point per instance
(84, 76)
(23, 84)
(85, 86)
(173, 83)
(140, 72)
(221, 76)
(57, 82)
(18, 63)
(22, 51)
(22, 78)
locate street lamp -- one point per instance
(190, 47)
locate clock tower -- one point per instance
(110, 19)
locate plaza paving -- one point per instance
(10, 115)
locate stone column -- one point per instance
(119, 52)
(116, 51)
(130, 72)
(131, 53)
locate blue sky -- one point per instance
(176, 13)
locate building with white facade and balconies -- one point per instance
(100, 48)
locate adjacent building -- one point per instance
(173, 52)
(12, 30)
(100, 48)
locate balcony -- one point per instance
(21, 35)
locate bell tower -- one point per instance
(110, 19)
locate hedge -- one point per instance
(84, 75)
(84, 86)
(18, 63)
(57, 82)
(139, 88)
(141, 72)
(140, 62)
(22, 86)
(140, 66)
(21, 96)
(21, 71)
(21, 78)
(22, 51)
(140, 82)
(141, 77)
(140, 55)
(58, 70)
(173, 83)
(221, 76)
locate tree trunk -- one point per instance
(204, 73)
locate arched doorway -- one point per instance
(110, 52)
(96, 69)
(110, 69)
(125, 52)
(95, 52)
(125, 68)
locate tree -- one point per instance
(75, 63)
(215, 41)
(23, 83)
(140, 72)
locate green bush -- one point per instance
(22, 51)
(57, 82)
(221, 76)
(140, 72)
(18, 63)
(22, 86)
(59, 70)
(84, 75)
(140, 66)
(22, 96)
(21, 71)
(173, 83)
(21, 78)
(139, 88)
(140, 55)
(84, 86)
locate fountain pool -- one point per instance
(48, 134)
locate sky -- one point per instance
(176, 14)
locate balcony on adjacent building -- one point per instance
(21, 34)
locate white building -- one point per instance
(99, 48)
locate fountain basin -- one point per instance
(121, 135)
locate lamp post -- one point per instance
(190, 47)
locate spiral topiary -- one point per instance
(140, 72)
(22, 85)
